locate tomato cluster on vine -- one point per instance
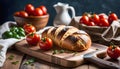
(30, 10)
(98, 19)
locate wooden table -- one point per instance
(38, 64)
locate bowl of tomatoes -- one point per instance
(38, 16)
(96, 25)
(97, 20)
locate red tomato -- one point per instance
(91, 23)
(17, 14)
(113, 52)
(38, 12)
(87, 14)
(84, 19)
(45, 43)
(104, 22)
(102, 16)
(95, 19)
(23, 14)
(29, 28)
(29, 8)
(44, 9)
(33, 39)
(112, 17)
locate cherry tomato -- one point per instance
(29, 8)
(45, 43)
(29, 28)
(33, 39)
(102, 16)
(95, 19)
(17, 14)
(38, 12)
(112, 17)
(104, 22)
(44, 9)
(87, 14)
(91, 23)
(113, 52)
(84, 19)
(23, 14)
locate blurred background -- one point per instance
(8, 7)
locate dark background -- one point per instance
(8, 7)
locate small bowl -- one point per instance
(38, 21)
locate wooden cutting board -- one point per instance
(67, 59)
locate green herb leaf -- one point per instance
(58, 51)
(62, 51)
(16, 62)
(11, 57)
(14, 32)
(29, 61)
(55, 51)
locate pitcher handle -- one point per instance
(73, 11)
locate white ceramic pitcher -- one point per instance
(63, 17)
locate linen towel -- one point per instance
(6, 43)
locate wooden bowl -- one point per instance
(38, 21)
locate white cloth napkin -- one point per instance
(112, 33)
(6, 43)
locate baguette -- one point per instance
(68, 37)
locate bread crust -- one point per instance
(68, 37)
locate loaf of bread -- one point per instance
(68, 37)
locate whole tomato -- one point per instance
(17, 14)
(95, 19)
(87, 14)
(29, 8)
(33, 39)
(112, 17)
(104, 22)
(38, 12)
(84, 19)
(103, 16)
(29, 28)
(44, 9)
(23, 14)
(113, 52)
(91, 23)
(45, 43)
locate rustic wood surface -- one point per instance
(17, 57)
(38, 64)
